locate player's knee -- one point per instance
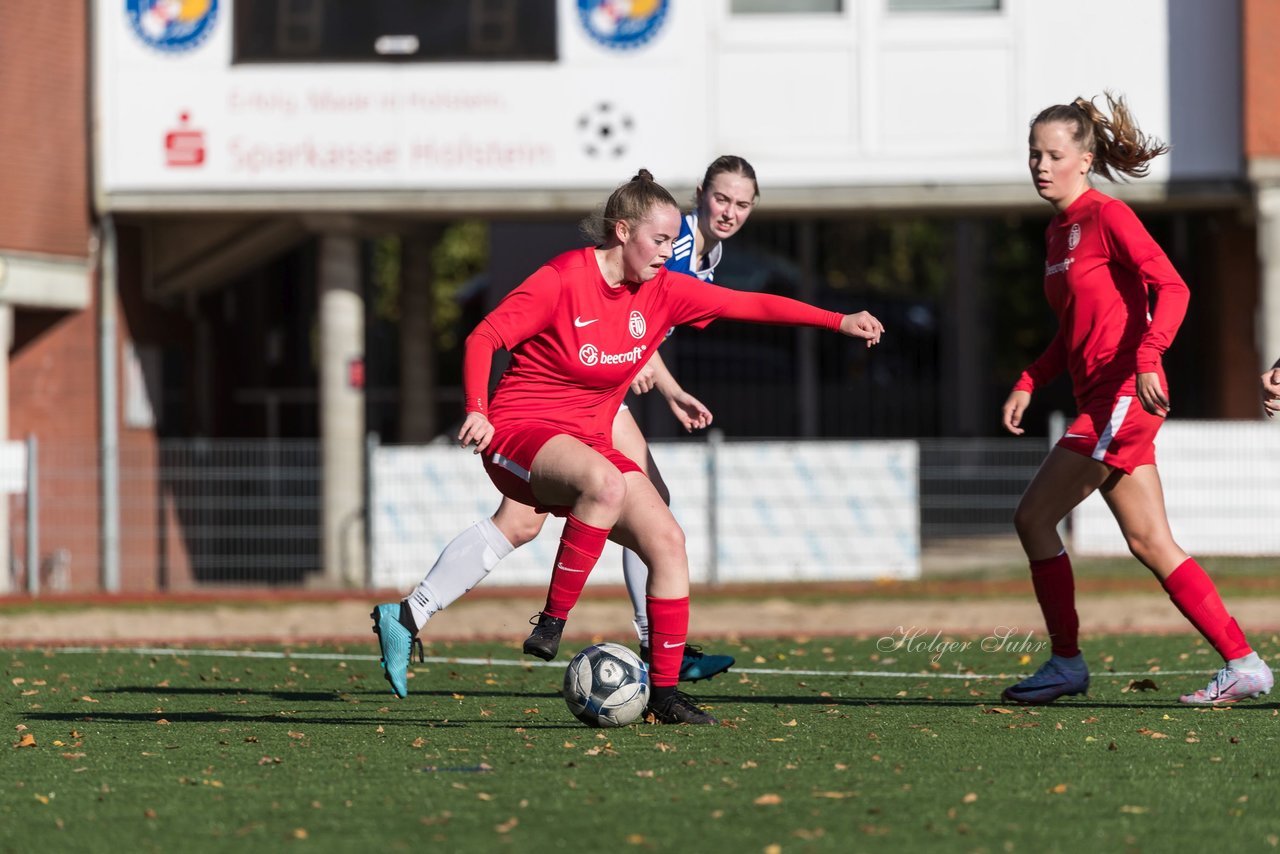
(606, 487)
(667, 542)
(523, 532)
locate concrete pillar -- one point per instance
(1268, 319)
(341, 347)
(963, 334)
(417, 339)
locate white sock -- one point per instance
(636, 574)
(1250, 663)
(463, 564)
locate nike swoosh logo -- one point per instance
(669, 645)
(579, 322)
(568, 568)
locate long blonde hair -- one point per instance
(1119, 147)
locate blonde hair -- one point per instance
(1119, 147)
(631, 202)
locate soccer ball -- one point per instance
(605, 130)
(606, 685)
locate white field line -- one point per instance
(508, 662)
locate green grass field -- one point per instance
(205, 752)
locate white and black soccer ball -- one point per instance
(605, 130)
(606, 685)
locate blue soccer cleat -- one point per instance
(396, 643)
(1057, 677)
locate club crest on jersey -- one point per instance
(637, 325)
(1073, 239)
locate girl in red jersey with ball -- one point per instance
(579, 330)
(1119, 304)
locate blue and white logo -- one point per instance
(622, 24)
(172, 26)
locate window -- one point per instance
(944, 5)
(394, 30)
(780, 7)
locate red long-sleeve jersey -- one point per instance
(576, 343)
(1102, 273)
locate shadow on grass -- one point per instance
(945, 702)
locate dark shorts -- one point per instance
(509, 459)
(1115, 431)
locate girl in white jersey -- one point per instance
(722, 203)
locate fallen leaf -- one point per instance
(1133, 810)
(44, 799)
(299, 833)
(791, 722)
(1058, 789)
(508, 825)
(767, 800)
(296, 734)
(162, 722)
(996, 710)
(86, 698)
(969, 798)
(27, 740)
(1140, 685)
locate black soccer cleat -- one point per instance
(678, 708)
(544, 641)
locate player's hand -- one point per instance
(862, 325)
(644, 380)
(689, 411)
(1271, 392)
(476, 430)
(1151, 395)
(1012, 411)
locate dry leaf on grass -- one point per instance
(768, 800)
(1140, 685)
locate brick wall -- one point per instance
(43, 132)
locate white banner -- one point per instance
(788, 511)
(1221, 487)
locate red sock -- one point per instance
(1196, 596)
(1055, 588)
(580, 548)
(668, 631)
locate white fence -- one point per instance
(1221, 487)
(796, 511)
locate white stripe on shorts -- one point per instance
(513, 467)
(1113, 427)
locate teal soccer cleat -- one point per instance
(396, 643)
(696, 663)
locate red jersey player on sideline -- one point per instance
(1102, 272)
(579, 330)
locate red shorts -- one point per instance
(1115, 431)
(509, 458)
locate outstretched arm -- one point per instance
(477, 361)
